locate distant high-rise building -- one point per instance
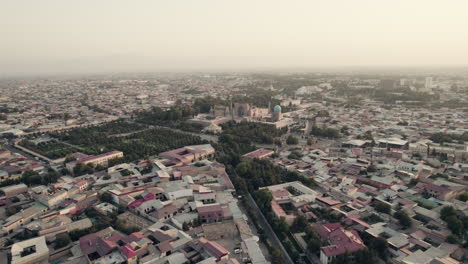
(403, 82)
(388, 84)
(428, 83)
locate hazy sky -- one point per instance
(48, 36)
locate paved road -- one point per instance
(269, 231)
(208, 137)
(16, 150)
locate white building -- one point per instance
(34, 250)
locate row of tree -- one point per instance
(325, 132)
(102, 134)
(137, 145)
(442, 137)
(30, 177)
(458, 224)
(253, 132)
(51, 149)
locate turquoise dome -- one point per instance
(277, 108)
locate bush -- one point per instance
(106, 197)
(382, 207)
(122, 226)
(463, 197)
(403, 218)
(325, 132)
(12, 210)
(62, 240)
(295, 155)
(452, 239)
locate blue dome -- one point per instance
(277, 108)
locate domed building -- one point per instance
(277, 115)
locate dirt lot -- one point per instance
(134, 220)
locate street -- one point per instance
(272, 238)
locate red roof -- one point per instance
(88, 243)
(342, 241)
(209, 208)
(280, 193)
(213, 248)
(324, 230)
(328, 201)
(128, 252)
(165, 246)
(136, 203)
(277, 209)
(136, 236)
(259, 153)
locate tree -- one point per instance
(31, 177)
(325, 132)
(106, 197)
(122, 226)
(295, 155)
(291, 140)
(413, 182)
(382, 207)
(342, 258)
(276, 256)
(9, 242)
(263, 198)
(282, 226)
(99, 167)
(299, 224)
(69, 158)
(51, 177)
(62, 240)
(446, 212)
(463, 197)
(403, 218)
(81, 168)
(277, 142)
(364, 256)
(185, 226)
(453, 239)
(377, 245)
(313, 241)
(455, 225)
(12, 210)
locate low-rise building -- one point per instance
(23, 217)
(30, 251)
(95, 160)
(13, 190)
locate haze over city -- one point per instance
(53, 36)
